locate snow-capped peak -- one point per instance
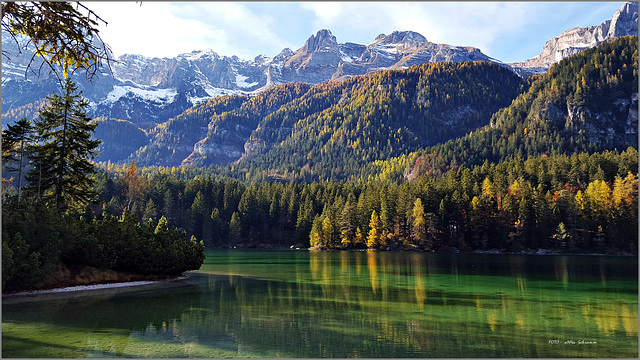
(198, 55)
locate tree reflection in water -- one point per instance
(339, 304)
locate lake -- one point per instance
(316, 304)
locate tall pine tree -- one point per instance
(17, 141)
(63, 170)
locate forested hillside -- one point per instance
(173, 140)
(428, 119)
(362, 119)
(382, 115)
(588, 102)
(119, 139)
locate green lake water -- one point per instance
(310, 304)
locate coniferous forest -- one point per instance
(568, 203)
(376, 162)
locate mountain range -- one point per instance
(201, 108)
(149, 91)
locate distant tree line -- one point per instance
(578, 203)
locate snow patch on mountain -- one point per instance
(154, 95)
(199, 55)
(346, 58)
(241, 81)
(389, 48)
(12, 71)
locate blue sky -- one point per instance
(508, 31)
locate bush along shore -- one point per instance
(43, 249)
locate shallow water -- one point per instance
(308, 304)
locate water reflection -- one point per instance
(396, 289)
(365, 304)
(420, 289)
(629, 321)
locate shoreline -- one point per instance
(131, 284)
(536, 252)
(92, 287)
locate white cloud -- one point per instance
(325, 11)
(246, 33)
(149, 28)
(166, 29)
(471, 23)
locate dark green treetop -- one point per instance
(63, 171)
(17, 141)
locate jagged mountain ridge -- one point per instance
(148, 91)
(623, 23)
(322, 58)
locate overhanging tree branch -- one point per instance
(66, 39)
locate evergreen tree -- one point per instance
(150, 211)
(216, 227)
(347, 228)
(17, 141)
(374, 240)
(315, 236)
(235, 228)
(200, 218)
(419, 224)
(63, 168)
(169, 204)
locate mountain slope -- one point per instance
(214, 131)
(338, 127)
(342, 123)
(119, 139)
(623, 23)
(585, 103)
(172, 141)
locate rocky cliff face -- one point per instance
(315, 62)
(624, 22)
(322, 58)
